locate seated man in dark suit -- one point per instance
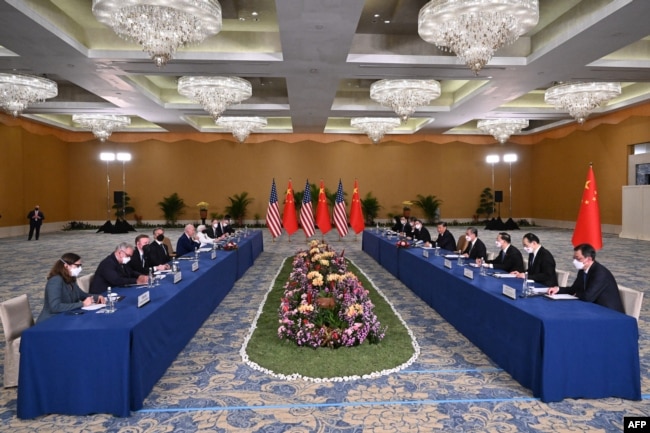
(187, 242)
(213, 229)
(113, 272)
(158, 253)
(475, 249)
(541, 264)
(594, 282)
(445, 239)
(509, 258)
(140, 261)
(420, 233)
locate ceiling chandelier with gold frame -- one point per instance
(475, 29)
(581, 99)
(215, 94)
(160, 26)
(404, 96)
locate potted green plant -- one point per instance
(370, 206)
(486, 203)
(172, 207)
(429, 205)
(238, 206)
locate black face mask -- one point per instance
(160, 238)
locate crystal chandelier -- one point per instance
(160, 26)
(375, 127)
(215, 94)
(17, 91)
(241, 127)
(475, 29)
(404, 96)
(101, 125)
(580, 99)
(502, 129)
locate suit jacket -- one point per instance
(38, 221)
(599, 287)
(511, 261)
(60, 297)
(221, 230)
(212, 233)
(446, 241)
(542, 268)
(476, 251)
(422, 235)
(156, 254)
(111, 273)
(139, 262)
(185, 245)
(397, 227)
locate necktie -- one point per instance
(142, 257)
(163, 248)
(503, 256)
(531, 259)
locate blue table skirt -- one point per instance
(558, 349)
(108, 363)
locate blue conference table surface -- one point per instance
(557, 348)
(108, 363)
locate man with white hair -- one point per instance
(187, 243)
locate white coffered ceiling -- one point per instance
(311, 63)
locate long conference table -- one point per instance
(557, 348)
(108, 363)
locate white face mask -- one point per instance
(126, 260)
(418, 226)
(498, 244)
(75, 271)
(468, 238)
(578, 264)
(528, 250)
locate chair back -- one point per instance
(16, 316)
(632, 300)
(562, 277)
(461, 243)
(85, 281)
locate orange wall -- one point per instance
(62, 172)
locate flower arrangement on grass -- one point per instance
(324, 305)
(402, 244)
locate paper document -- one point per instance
(205, 249)
(451, 256)
(93, 307)
(504, 275)
(540, 290)
(560, 296)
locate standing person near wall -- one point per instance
(35, 217)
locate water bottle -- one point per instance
(524, 286)
(151, 278)
(436, 251)
(174, 265)
(460, 258)
(196, 255)
(110, 302)
(482, 270)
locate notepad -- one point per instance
(93, 307)
(561, 296)
(504, 275)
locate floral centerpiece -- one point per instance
(203, 205)
(230, 246)
(402, 244)
(324, 305)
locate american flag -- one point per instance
(340, 218)
(273, 213)
(306, 212)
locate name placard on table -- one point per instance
(195, 266)
(213, 255)
(510, 292)
(425, 253)
(468, 273)
(143, 299)
(447, 263)
(177, 277)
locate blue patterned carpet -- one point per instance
(452, 386)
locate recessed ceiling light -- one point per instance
(254, 14)
(386, 21)
(376, 15)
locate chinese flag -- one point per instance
(289, 219)
(587, 229)
(356, 214)
(322, 211)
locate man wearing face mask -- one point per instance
(158, 252)
(541, 264)
(475, 249)
(35, 217)
(509, 258)
(113, 272)
(214, 229)
(420, 233)
(594, 282)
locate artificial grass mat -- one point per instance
(285, 357)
